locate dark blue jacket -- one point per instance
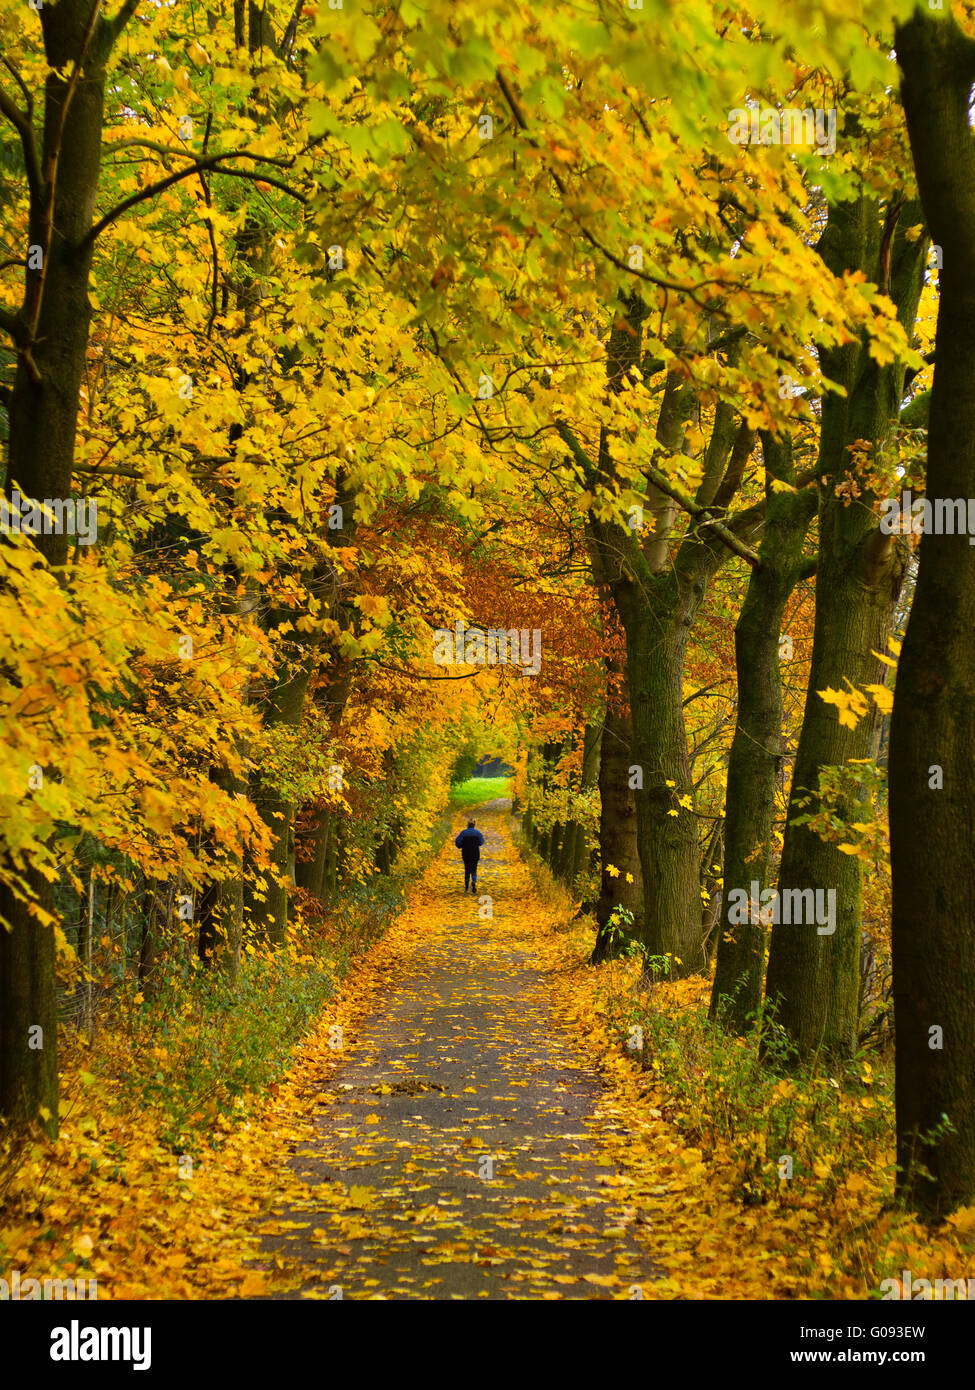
(469, 843)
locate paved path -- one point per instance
(456, 1156)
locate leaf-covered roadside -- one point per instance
(830, 1229)
(115, 1199)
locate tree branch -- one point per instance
(604, 251)
(212, 162)
(671, 490)
(28, 97)
(21, 122)
(724, 533)
(116, 25)
(415, 675)
(13, 327)
(568, 437)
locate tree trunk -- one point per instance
(756, 749)
(221, 905)
(222, 925)
(310, 873)
(813, 973)
(657, 597)
(267, 901)
(617, 841)
(932, 755)
(711, 885)
(28, 1012)
(555, 846)
(330, 879)
(147, 941)
(51, 335)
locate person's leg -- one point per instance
(467, 877)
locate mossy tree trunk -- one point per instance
(932, 753)
(813, 974)
(50, 332)
(756, 749)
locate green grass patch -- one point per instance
(478, 789)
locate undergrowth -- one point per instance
(811, 1143)
(201, 1048)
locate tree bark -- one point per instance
(933, 826)
(310, 873)
(617, 840)
(267, 901)
(813, 976)
(657, 597)
(756, 749)
(51, 336)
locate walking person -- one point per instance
(469, 843)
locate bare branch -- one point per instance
(290, 34)
(212, 162)
(111, 146)
(28, 95)
(415, 675)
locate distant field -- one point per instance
(478, 789)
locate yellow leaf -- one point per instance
(883, 697)
(850, 704)
(963, 1220)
